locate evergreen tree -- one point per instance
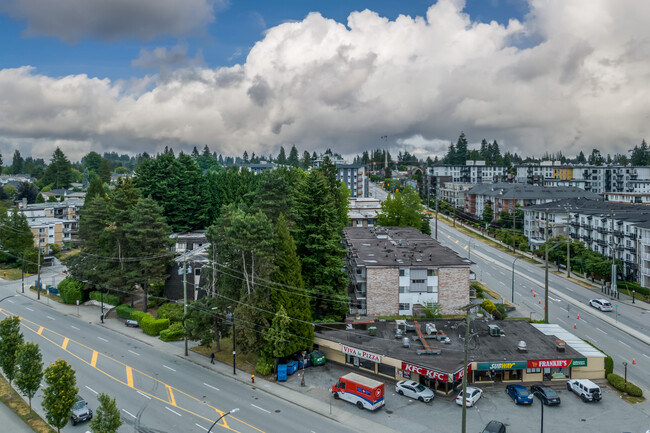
(461, 150)
(26, 190)
(107, 416)
(15, 235)
(293, 159)
(485, 152)
(59, 172)
(279, 340)
(30, 370)
(10, 341)
(580, 159)
(450, 157)
(18, 162)
(148, 236)
(273, 195)
(282, 157)
(95, 189)
(92, 162)
(640, 155)
(305, 162)
(85, 182)
(104, 171)
(39, 198)
(245, 158)
(318, 239)
(59, 393)
(596, 158)
(288, 292)
(487, 215)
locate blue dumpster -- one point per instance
(282, 372)
(292, 367)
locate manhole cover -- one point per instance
(277, 411)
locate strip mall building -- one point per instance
(549, 353)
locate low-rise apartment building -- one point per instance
(397, 270)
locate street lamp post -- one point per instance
(22, 276)
(625, 385)
(513, 279)
(302, 378)
(225, 414)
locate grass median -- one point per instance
(15, 402)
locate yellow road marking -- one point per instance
(41, 328)
(225, 421)
(129, 376)
(170, 393)
(93, 362)
(64, 346)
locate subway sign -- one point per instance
(515, 365)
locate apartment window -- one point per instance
(41, 230)
(418, 281)
(432, 272)
(401, 272)
(404, 307)
(403, 289)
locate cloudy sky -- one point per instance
(132, 76)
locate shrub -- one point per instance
(479, 289)
(171, 311)
(619, 383)
(173, 333)
(138, 316)
(108, 298)
(488, 306)
(152, 326)
(502, 311)
(124, 311)
(609, 365)
(264, 365)
(70, 290)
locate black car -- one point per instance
(547, 395)
(494, 427)
(80, 411)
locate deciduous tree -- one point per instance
(59, 393)
(107, 416)
(10, 341)
(30, 370)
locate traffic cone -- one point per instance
(578, 316)
(540, 302)
(534, 295)
(531, 290)
(575, 326)
(633, 361)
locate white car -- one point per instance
(473, 394)
(601, 304)
(411, 388)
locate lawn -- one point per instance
(16, 403)
(12, 273)
(245, 361)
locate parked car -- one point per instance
(494, 427)
(80, 411)
(585, 388)
(411, 388)
(317, 358)
(601, 304)
(131, 323)
(473, 394)
(519, 394)
(546, 394)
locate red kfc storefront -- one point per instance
(435, 379)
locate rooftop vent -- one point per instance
(521, 347)
(495, 331)
(406, 342)
(560, 345)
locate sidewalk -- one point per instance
(11, 422)
(313, 397)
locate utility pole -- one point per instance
(234, 351)
(546, 269)
(613, 247)
(568, 245)
(22, 277)
(185, 298)
(38, 281)
(513, 231)
(464, 415)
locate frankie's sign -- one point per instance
(361, 353)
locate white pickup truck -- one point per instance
(585, 388)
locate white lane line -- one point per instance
(103, 339)
(72, 326)
(210, 386)
(201, 427)
(624, 344)
(92, 390)
(173, 411)
(134, 352)
(50, 317)
(570, 290)
(646, 356)
(600, 330)
(10, 301)
(144, 395)
(560, 320)
(168, 367)
(257, 407)
(129, 413)
(29, 309)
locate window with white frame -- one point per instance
(404, 306)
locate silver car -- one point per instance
(601, 304)
(412, 389)
(80, 411)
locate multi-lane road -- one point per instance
(567, 302)
(156, 391)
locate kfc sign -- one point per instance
(550, 363)
(431, 374)
(361, 353)
(459, 374)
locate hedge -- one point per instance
(173, 333)
(173, 312)
(138, 316)
(636, 286)
(609, 365)
(152, 326)
(619, 383)
(108, 298)
(124, 311)
(70, 290)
